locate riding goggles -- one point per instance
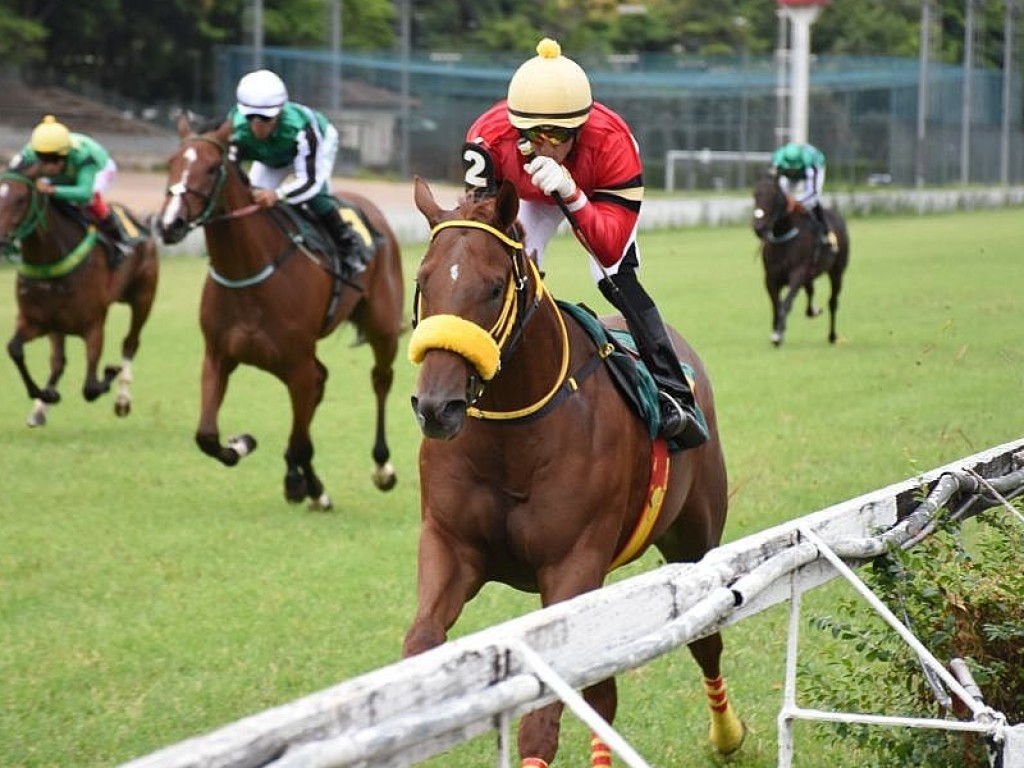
(552, 134)
(257, 118)
(50, 157)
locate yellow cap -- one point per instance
(549, 89)
(50, 137)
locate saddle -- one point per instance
(134, 230)
(313, 234)
(631, 376)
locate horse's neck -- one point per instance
(240, 235)
(53, 238)
(785, 223)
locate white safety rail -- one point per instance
(404, 713)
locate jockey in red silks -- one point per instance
(552, 140)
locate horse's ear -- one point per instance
(223, 132)
(506, 205)
(425, 201)
(184, 126)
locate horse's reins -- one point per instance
(207, 216)
(486, 349)
(789, 205)
(36, 219)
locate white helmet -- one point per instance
(549, 89)
(261, 93)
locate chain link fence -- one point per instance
(409, 115)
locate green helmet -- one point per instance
(790, 157)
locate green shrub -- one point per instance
(959, 591)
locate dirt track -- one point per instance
(144, 192)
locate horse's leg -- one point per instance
(774, 288)
(95, 386)
(23, 334)
(727, 730)
(539, 730)
(58, 361)
(782, 312)
(446, 580)
(140, 302)
(381, 376)
(696, 530)
(306, 390)
(836, 281)
(811, 311)
(216, 371)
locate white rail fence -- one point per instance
(404, 713)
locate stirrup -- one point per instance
(678, 423)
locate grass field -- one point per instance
(148, 594)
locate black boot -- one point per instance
(111, 227)
(826, 236)
(679, 420)
(350, 248)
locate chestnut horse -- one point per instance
(65, 286)
(793, 256)
(270, 295)
(534, 472)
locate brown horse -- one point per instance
(67, 281)
(793, 256)
(534, 472)
(270, 295)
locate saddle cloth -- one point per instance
(632, 378)
(313, 234)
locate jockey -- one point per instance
(292, 149)
(549, 137)
(803, 165)
(75, 169)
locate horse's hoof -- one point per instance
(814, 311)
(122, 408)
(728, 745)
(322, 503)
(36, 419)
(294, 488)
(776, 339)
(242, 445)
(384, 477)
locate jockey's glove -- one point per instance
(551, 177)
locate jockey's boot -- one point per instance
(827, 237)
(110, 225)
(350, 247)
(679, 420)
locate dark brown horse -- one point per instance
(793, 256)
(66, 283)
(270, 295)
(525, 479)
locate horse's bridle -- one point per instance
(37, 205)
(780, 209)
(487, 349)
(210, 200)
(73, 255)
(209, 216)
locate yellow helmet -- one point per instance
(549, 89)
(50, 137)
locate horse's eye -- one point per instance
(496, 291)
